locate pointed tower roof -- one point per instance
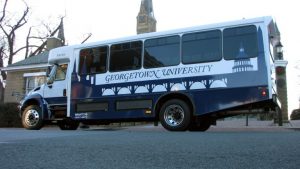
(276, 29)
(147, 5)
(61, 32)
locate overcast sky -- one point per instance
(107, 19)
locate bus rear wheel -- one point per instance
(199, 126)
(68, 124)
(175, 115)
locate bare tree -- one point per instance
(8, 29)
(42, 37)
(9, 25)
(8, 36)
(35, 41)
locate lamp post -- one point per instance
(280, 65)
(279, 51)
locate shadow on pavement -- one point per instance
(103, 129)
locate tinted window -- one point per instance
(125, 56)
(202, 47)
(93, 60)
(161, 52)
(240, 42)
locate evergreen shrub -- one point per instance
(9, 115)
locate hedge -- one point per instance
(9, 115)
(295, 114)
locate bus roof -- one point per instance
(266, 19)
(57, 53)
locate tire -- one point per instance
(175, 115)
(32, 118)
(68, 124)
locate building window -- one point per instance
(93, 60)
(125, 56)
(202, 47)
(240, 42)
(161, 52)
(32, 82)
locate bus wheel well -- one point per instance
(170, 96)
(29, 103)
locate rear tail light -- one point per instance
(264, 92)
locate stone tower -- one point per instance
(54, 42)
(281, 80)
(146, 21)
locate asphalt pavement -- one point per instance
(147, 146)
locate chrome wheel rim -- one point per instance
(32, 117)
(174, 115)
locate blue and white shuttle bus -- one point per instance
(186, 78)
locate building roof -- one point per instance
(37, 61)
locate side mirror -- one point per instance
(51, 75)
(48, 71)
(50, 80)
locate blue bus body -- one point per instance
(235, 75)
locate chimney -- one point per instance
(53, 42)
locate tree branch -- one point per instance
(40, 48)
(89, 35)
(27, 43)
(4, 31)
(24, 47)
(22, 21)
(3, 11)
(37, 37)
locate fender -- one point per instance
(36, 99)
(181, 95)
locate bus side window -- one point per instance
(202, 47)
(125, 56)
(240, 42)
(93, 60)
(161, 52)
(99, 60)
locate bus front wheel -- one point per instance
(32, 118)
(175, 115)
